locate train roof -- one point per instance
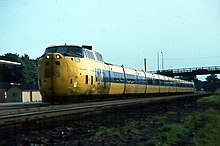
(65, 45)
(88, 47)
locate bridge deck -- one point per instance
(190, 71)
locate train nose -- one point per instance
(52, 65)
(53, 56)
(53, 75)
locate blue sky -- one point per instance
(124, 31)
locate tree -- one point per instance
(11, 57)
(29, 70)
(212, 78)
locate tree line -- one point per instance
(26, 73)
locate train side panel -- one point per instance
(117, 80)
(150, 83)
(131, 81)
(179, 86)
(142, 83)
(172, 85)
(164, 86)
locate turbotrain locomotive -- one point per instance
(69, 72)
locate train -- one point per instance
(70, 73)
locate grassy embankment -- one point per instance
(206, 134)
(198, 128)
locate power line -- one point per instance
(197, 58)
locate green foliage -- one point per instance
(212, 78)
(130, 128)
(11, 57)
(210, 134)
(215, 98)
(106, 132)
(172, 133)
(29, 70)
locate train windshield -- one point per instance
(73, 51)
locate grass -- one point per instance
(207, 133)
(171, 134)
(130, 128)
(215, 98)
(210, 134)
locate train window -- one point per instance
(76, 52)
(170, 83)
(141, 80)
(98, 74)
(50, 50)
(150, 82)
(99, 57)
(91, 80)
(165, 83)
(92, 55)
(106, 75)
(89, 55)
(157, 82)
(161, 82)
(116, 77)
(87, 79)
(62, 50)
(71, 81)
(66, 50)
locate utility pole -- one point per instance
(158, 62)
(162, 60)
(145, 64)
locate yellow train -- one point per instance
(68, 73)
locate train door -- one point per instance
(157, 83)
(169, 85)
(141, 82)
(150, 83)
(106, 79)
(98, 79)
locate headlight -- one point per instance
(47, 56)
(58, 56)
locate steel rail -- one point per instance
(48, 113)
(21, 117)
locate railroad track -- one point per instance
(21, 105)
(15, 116)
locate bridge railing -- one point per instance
(189, 70)
(181, 70)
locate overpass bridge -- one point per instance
(189, 71)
